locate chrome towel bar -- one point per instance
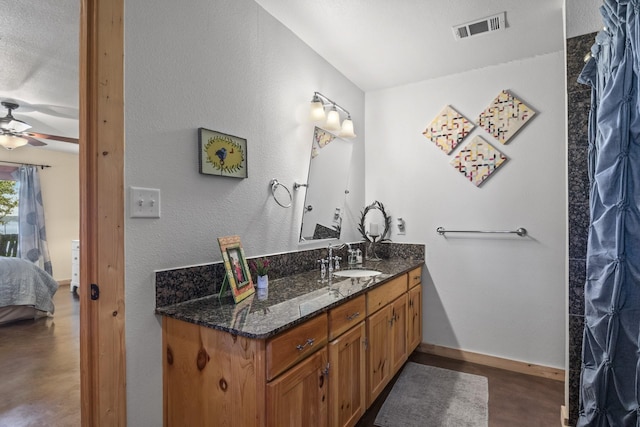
(520, 231)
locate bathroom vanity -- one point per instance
(311, 353)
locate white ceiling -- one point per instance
(375, 43)
(39, 65)
(382, 43)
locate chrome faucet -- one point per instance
(334, 261)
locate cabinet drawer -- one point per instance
(346, 315)
(415, 276)
(290, 347)
(383, 295)
(75, 245)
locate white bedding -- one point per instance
(25, 287)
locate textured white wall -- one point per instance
(582, 17)
(227, 66)
(496, 295)
(61, 199)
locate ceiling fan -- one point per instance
(13, 132)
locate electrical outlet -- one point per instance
(336, 216)
(402, 230)
(144, 202)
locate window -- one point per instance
(8, 207)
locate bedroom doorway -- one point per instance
(101, 344)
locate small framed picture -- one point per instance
(236, 266)
(221, 154)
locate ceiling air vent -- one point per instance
(484, 25)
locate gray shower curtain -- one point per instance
(610, 380)
(32, 234)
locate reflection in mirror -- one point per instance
(327, 187)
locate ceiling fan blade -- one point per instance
(34, 142)
(52, 137)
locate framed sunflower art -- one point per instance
(221, 154)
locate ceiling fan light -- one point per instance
(10, 142)
(18, 125)
(333, 120)
(347, 129)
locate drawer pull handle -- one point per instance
(309, 343)
(353, 316)
(416, 277)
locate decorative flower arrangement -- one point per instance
(259, 266)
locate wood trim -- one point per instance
(493, 361)
(65, 282)
(564, 416)
(102, 342)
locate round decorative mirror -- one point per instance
(379, 223)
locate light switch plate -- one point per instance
(402, 227)
(144, 202)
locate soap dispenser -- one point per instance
(352, 257)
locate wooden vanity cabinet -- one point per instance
(415, 277)
(414, 318)
(398, 337)
(347, 377)
(325, 371)
(211, 378)
(288, 348)
(299, 397)
(378, 365)
(387, 341)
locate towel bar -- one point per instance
(520, 231)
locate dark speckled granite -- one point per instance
(288, 302)
(183, 284)
(579, 101)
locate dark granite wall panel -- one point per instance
(579, 101)
(187, 283)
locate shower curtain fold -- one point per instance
(610, 380)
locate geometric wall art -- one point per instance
(448, 129)
(478, 160)
(505, 116)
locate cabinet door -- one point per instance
(298, 397)
(347, 379)
(378, 366)
(398, 333)
(414, 319)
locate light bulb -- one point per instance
(316, 113)
(347, 129)
(333, 120)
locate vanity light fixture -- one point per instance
(332, 123)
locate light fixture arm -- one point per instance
(317, 96)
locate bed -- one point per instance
(26, 290)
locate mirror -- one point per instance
(327, 186)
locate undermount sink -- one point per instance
(356, 272)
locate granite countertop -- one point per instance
(287, 302)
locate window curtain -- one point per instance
(610, 375)
(32, 235)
